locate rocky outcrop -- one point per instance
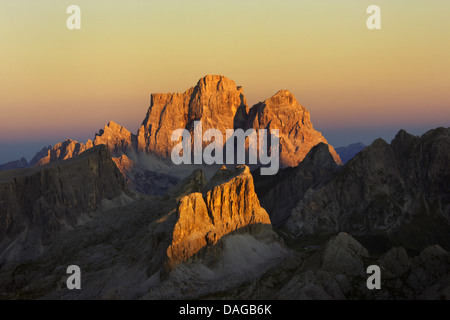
(64, 150)
(347, 153)
(297, 135)
(37, 203)
(395, 262)
(39, 155)
(215, 101)
(337, 270)
(219, 104)
(195, 182)
(400, 191)
(142, 180)
(117, 250)
(342, 254)
(231, 205)
(117, 138)
(280, 193)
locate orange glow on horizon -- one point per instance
(57, 82)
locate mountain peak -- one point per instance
(282, 111)
(216, 83)
(115, 137)
(215, 100)
(61, 151)
(113, 125)
(281, 98)
(402, 135)
(213, 78)
(219, 104)
(284, 94)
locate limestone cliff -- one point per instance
(297, 135)
(64, 150)
(37, 203)
(219, 104)
(398, 190)
(230, 206)
(215, 101)
(117, 138)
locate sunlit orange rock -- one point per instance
(229, 206)
(297, 135)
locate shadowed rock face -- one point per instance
(342, 254)
(337, 270)
(230, 205)
(142, 180)
(208, 247)
(399, 190)
(39, 202)
(280, 193)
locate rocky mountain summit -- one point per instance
(215, 100)
(207, 239)
(212, 237)
(218, 103)
(397, 193)
(336, 270)
(140, 227)
(63, 151)
(297, 135)
(38, 203)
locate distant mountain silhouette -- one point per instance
(347, 153)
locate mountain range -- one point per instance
(140, 227)
(219, 104)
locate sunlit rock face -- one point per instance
(217, 103)
(63, 151)
(297, 135)
(230, 205)
(117, 138)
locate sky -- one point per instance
(358, 84)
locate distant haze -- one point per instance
(358, 84)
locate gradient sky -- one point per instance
(358, 84)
